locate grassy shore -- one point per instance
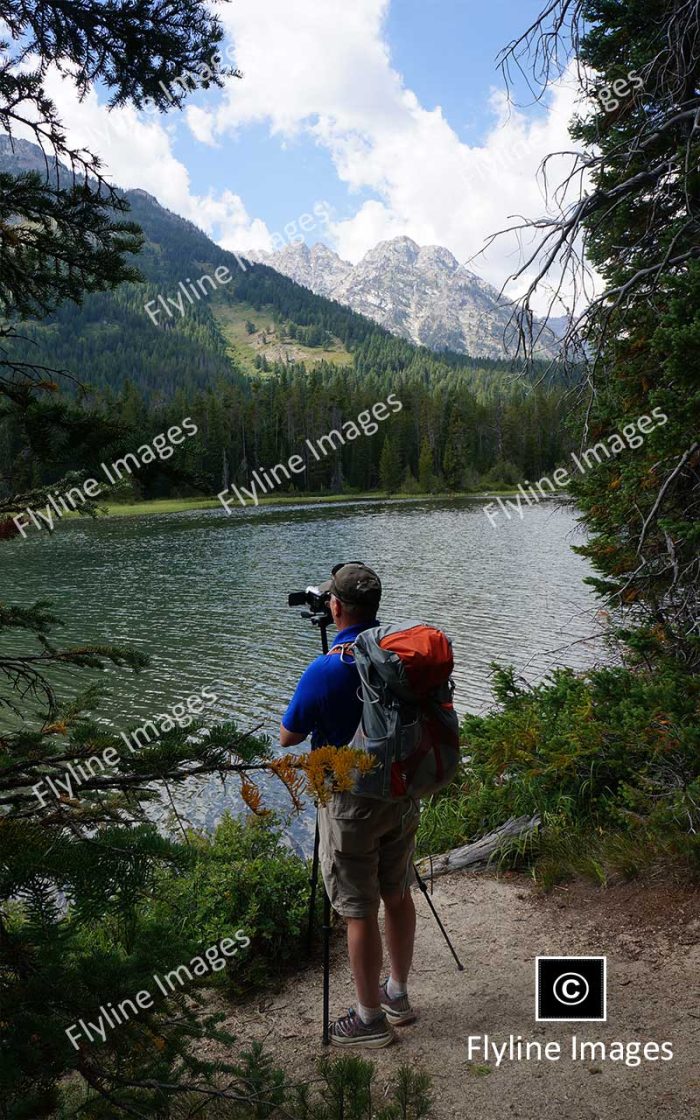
(181, 505)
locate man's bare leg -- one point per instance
(400, 926)
(368, 1026)
(365, 952)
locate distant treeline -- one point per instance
(446, 436)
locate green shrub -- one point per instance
(503, 473)
(458, 815)
(255, 1088)
(243, 877)
(345, 1093)
(609, 760)
(613, 746)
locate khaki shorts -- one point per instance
(366, 850)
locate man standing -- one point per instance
(366, 844)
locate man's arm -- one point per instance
(300, 718)
(290, 738)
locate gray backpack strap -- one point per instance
(380, 725)
(412, 735)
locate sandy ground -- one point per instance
(651, 937)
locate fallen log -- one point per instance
(479, 852)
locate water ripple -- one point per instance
(205, 594)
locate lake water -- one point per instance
(205, 593)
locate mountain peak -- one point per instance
(22, 155)
(398, 248)
(139, 192)
(317, 268)
(419, 292)
(319, 251)
(436, 256)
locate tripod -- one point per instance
(323, 621)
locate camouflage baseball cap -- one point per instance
(354, 583)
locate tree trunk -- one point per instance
(478, 853)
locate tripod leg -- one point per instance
(443, 931)
(326, 934)
(312, 897)
(326, 967)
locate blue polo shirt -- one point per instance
(326, 704)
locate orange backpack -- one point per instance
(408, 723)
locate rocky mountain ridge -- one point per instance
(421, 293)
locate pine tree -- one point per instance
(640, 221)
(426, 473)
(77, 863)
(455, 457)
(390, 472)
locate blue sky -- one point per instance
(446, 52)
(390, 111)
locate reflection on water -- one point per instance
(205, 595)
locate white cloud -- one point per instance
(136, 150)
(201, 125)
(324, 70)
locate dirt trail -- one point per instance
(651, 937)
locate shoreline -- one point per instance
(183, 505)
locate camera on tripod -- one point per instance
(317, 605)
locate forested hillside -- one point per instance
(262, 363)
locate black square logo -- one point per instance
(571, 990)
